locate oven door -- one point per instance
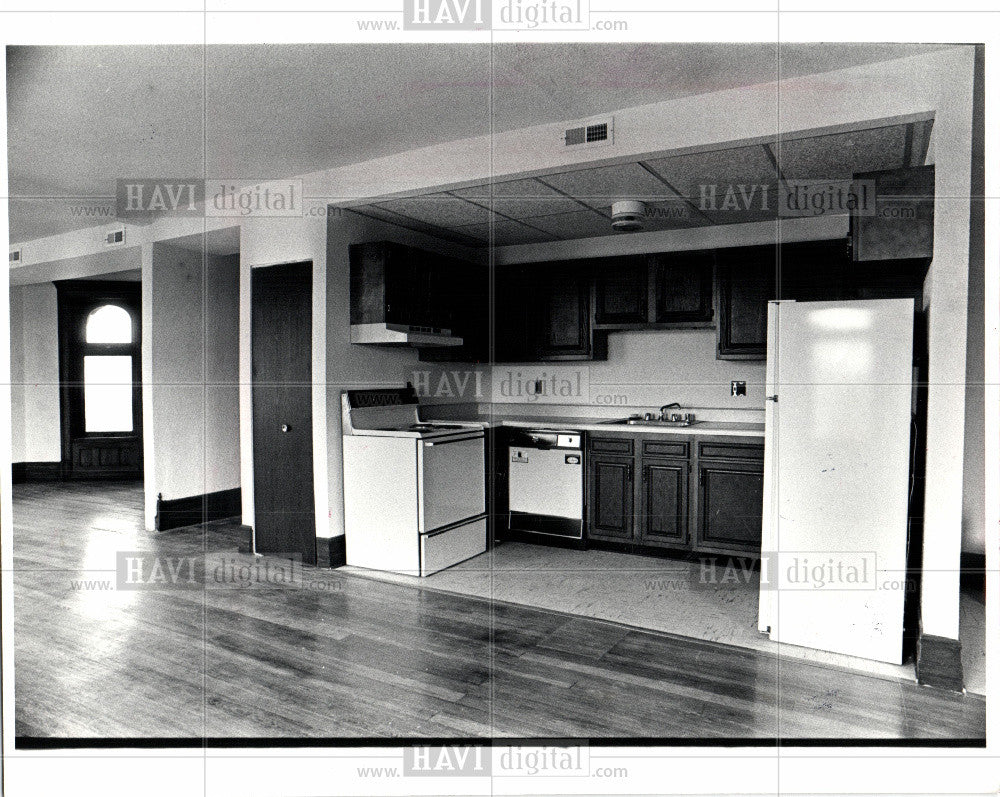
(451, 480)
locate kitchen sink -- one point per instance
(650, 422)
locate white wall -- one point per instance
(193, 368)
(35, 364)
(17, 374)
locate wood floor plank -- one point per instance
(349, 657)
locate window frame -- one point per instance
(77, 300)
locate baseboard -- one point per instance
(246, 539)
(193, 510)
(974, 571)
(331, 551)
(939, 662)
(22, 472)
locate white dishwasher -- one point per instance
(545, 493)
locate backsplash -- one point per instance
(644, 371)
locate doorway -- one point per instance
(281, 341)
(100, 379)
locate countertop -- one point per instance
(721, 428)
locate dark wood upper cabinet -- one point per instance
(459, 300)
(746, 282)
(901, 223)
(392, 284)
(563, 319)
(682, 286)
(621, 291)
(512, 315)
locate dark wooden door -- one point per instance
(563, 312)
(620, 291)
(663, 505)
(281, 321)
(682, 287)
(730, 506)
(610, 492)
(746, 284)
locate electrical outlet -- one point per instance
(738, 388)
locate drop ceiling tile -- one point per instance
(520, 199)
(699, 174)
(510, 188)
(441, 210)
(578, 224)
(672, 215)
(840, 156)
(388, 216)
(505, 233)
(602, 186)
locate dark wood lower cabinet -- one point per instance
(730, 506)
(663, 502)
(655, 501)
(610, 491)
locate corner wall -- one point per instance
(35, 414)
(193, 374)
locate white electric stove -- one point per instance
(414, 490)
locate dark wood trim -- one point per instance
(973, 575)
(331, 551)
(246, 539)
(35, 472)
(193, 510)
(939, 662)
(75, 300)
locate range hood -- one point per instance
(402, 335)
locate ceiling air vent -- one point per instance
(597, 132)
(14, 256)
(115, 237)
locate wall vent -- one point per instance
(115, 237)
(598, 132)
(14, 256)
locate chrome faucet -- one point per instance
(665, 407)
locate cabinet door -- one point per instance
(746, 283)
(902, 225)
(730, 506)
(621, 291)
(663, 507)
(460, 302)
(407, 285)
(513, 312)
(682, 287)
(610, 497)
(563, 330)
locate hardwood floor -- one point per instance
(345, 657)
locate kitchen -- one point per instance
(551, 439)
(574, 460)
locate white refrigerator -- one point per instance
(839, 387)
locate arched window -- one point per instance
(107, 370)
(109, 324)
